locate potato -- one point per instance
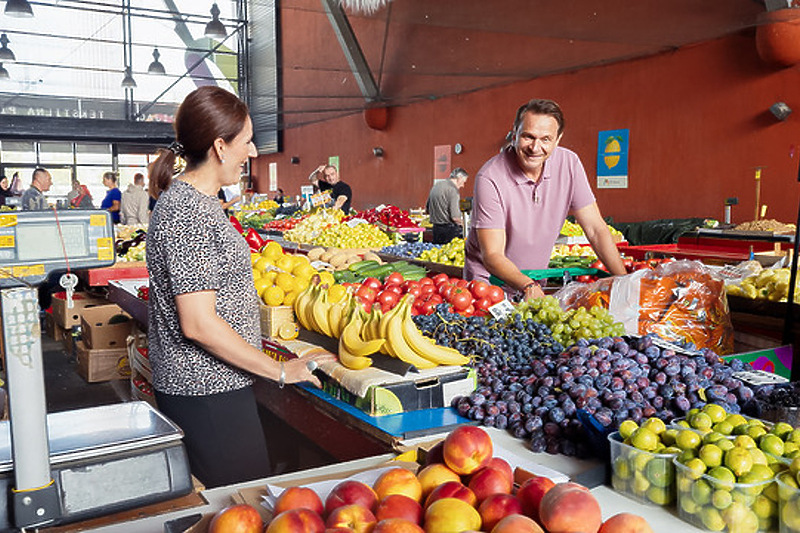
(315, 253)
(326, 256)
(370, 256)
(338, 260)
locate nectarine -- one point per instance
(296, 521)
(397, 525)
(354, 516)
(398, 481)
(625, 523)
(531, 492)
(240, 518)
(496, 507)
(488, 481)
(467, 449)
(451, 514)
(298, 498)
(399, 506)
(348, 492)
(570, 507)
(517, 523)
(452, 489)
(434, 475)
(498, 463)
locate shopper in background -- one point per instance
(228, 196)
(341, 193)
(133, 205)
(33, 199)
(16, 185)
(113, 197)
(204, 327)
(80, 197)
(444, 207)
(522, 197)
(5, 189)
(279, 198)
(317, 179)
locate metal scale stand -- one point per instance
(79, 464)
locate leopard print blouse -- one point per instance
(192, 247)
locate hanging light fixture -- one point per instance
(215, 28)
(18, 8)
(128, 82)
(3, 73)
(156, 67)
(364, 6)
(5, 52)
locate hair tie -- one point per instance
(176, 148)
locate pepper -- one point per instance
(236, 224)
(254, 240)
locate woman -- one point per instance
(5, 189)
(204, 330)
(113, 196)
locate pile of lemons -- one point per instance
(280, 277)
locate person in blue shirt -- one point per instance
(113, 196)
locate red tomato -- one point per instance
(366, 294)
(436, 299)
(469, 311)
(372, 283)
(395, 289)
(496, 294)
(445, 289)
(482, 303)
(387, 297)
(598, 265)
(427, 289)
(426, 308)
(416, 292)
(394, 277)
(478, 288)
(440, 278)
(461, 299)
(426, 281)
(460, 282)
(409, 283)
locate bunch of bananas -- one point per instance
(361, 334)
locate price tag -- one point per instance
(502, 309)
(353, 222)
(759, 377)
(320, 199)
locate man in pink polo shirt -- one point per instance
(520, 204)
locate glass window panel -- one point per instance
(126, 175)
(55, 153)
(23, 177)
(93, 154)
(139, 160)
(92, 177)
(62, 183)
(17, 152)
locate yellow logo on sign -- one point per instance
(8, 220)
(105, 254)
(97, 220)
(6, 241)
(24, 271)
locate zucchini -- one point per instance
(361, 265)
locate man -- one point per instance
(522, 197)
(33, 199)
(134, 204)
(341, 193)
(443, 206)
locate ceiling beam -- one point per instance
(352, 50)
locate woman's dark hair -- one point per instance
(539, 106)
(206, 114)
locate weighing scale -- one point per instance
(84, 463)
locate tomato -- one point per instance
(482, 303)
(478, 288)
(426, 308)
(469, 311)
(408, 284)
(395, 289)
(586, 278)
(435, 298)
(461, 299)
(426, 281)
(387, 298)
(440, 278)
(598, 265)
(427, 289)
(445, 289)
(460, 282)
(394, 277)
(416, 292)
(496, 294)
(366, 294)
(372, 283)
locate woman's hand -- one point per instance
(300, 369)
(532, 291)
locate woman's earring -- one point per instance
(222, 160)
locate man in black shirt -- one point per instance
(341, 193)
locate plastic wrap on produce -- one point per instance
(682, 301)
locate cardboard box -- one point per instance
(102, 364)
(273, 317)
(66, 318)
(105, 326)
(408, 395)
(53, 330)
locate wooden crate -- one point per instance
(273, 317)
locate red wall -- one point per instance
(698, 119)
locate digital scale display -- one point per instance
(42, 242)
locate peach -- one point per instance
(398, 481)
(339, 530)
(351, 491)
(240, 518)
(354, 516)
(297, 521)
(531, 492)
(452, 489)
(435, 454)
(625, 523)
(451, 514)
(498, 463)
(397, 525)
(434, 475)
(496, 507)
(517, 523)
(467, 449)
(298, 498)
(570, 507)
(399, 506)
(488, 481)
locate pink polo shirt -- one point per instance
(532, 214)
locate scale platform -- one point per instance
(106, 459)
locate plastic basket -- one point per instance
(644, 476)
(788, 506)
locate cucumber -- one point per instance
(361, 265)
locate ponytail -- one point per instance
(160, 172)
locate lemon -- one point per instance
(288, 331)
(697, 468)
(701, 421)
(272, 250)
(794, 436)
(285, 281)
(756, 431)
(656, 425)
(301, 259)
(290, 297)
(668, 437)
(644, 439)
(659, 495)
(261, 285)
(256, 273)
(688, 506)
(771, 444)
(739, 460)
(304, 270)
(744, 441)
(285, 263)
(724, 444)
(273, 296)
(254, 257)
(627, 428)
(782, 429)
(789, 447)
(712, 519)
(263, 264)
(724, 478)
(724, 427)
(715, 412)
(794, 466)
(336, 293)
(711, 455)
(622, 468)
(327, 278)
(688, 439)
(736, 419)
(759, 457)
(640, 483)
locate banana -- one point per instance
(319, 310)
(398, 345)
(427, 347)
(383, 329)
(354, 344)
(335, 313)
(300, 304)
(308, 308)
(352, 361)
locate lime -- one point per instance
(701, 421)
(640, 483)
(724, 444)
(639, 461)
(622, 468)
(712, 519)
(668, 437)
(723, 477)
(712, 437)
(761, 472)
(660, 473)
(688, 439)
(763, 507)
(794, 466)
(686, 455)
(701, 491)
(782, 429)
(627, 428)
(618, 483)
(711, 455)
(741, 429)
(790, 516)
(771, 491)
(688, 506)
(759, 457)
(660, 495)
(644, 439)
(671, 450)
(744, 441)
(696, 468)
(794, 436)
(736, 419)
(721, 499)
(789, 447)
(715, 412)
(756, 431)
(736, 513)
(682, 424)
(656, 425)
(724, 427)
(738, 460)
(751, 484)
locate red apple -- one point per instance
(531, 492)
(399, 506)
(354, 516)
(452, 489)
(296, 521)
(240, 518)
(517, 523)
(298, 498)
(397, 525)
(467, 449)
(496, 507)
(488, 481)
(348, 492)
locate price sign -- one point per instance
(501, 310)
(320, 199)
